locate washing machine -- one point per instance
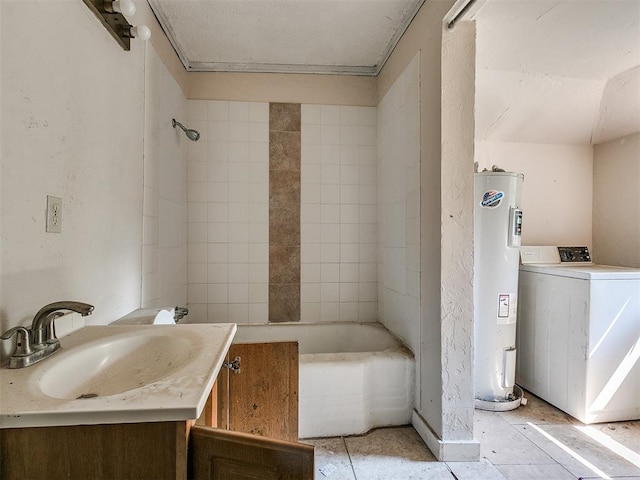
(578, 333)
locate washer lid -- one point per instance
(585, 272)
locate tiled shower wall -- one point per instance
(164, 220)
(228, 213)
(338, 217)
(399, 206)
(284, 212)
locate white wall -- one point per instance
(616, 202)
(164, 221)
(399, 207)
(72, 126)
(557, 191)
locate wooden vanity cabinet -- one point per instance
(262, 399)
(216, 454)
(155, 451)
(119, 451)
(256, 412)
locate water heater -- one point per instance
(497, 234)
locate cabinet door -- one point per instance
(263, 398)
(216, 454)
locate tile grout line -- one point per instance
(570, 451)
(344, 441)
(554, 461)
(451, 471)
(563, 466)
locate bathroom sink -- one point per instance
(114, 366)
(118, 374)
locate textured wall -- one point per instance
(456, 304)
(431, 362)
(64, 136)
(616, 202)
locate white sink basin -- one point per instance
(118, 374)
(114, 366)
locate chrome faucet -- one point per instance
(43, 320)
(38, 342)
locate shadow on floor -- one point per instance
(535, 441)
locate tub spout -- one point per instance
(180, 313)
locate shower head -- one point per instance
(192, 135)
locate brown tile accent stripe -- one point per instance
(284, 212)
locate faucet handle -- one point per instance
(23, 340)
(50, 328)
(47, 332)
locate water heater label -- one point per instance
(503, 306)
(491, 199)
(507, 308)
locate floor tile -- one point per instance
(331, 458)
(524, 444)
(535, 472)
(580, 454)
(394, 454)
(502, 444)
(482, 470)
(633, 477)
(625, 433)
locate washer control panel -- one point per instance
(574, 255)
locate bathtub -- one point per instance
(353, 376)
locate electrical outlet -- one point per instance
(54, 214)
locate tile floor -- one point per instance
(536, 441)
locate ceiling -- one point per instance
(303, 36)
(552, 71)
(548, 71)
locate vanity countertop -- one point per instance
(166, 374)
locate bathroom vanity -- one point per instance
(154, 450)
(120, 402)
(130, 450)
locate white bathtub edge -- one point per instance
(363, 391)
(446, 451)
